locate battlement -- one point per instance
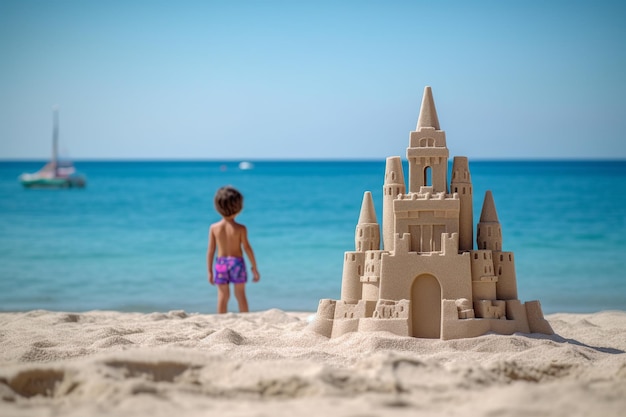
(449, 243)
(391, 309)
(490, 309)
(346, 310)
(426, 193)
(402, 244)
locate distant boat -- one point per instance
(56, 173)
(245, 165)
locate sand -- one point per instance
(270, 364)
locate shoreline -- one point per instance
(268, 362)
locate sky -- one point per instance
(250, 80)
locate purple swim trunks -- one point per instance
(230, 269)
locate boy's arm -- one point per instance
(210, 255)
(248, 249)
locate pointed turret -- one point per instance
(368, 213)
(428, 113)
(427, 152)
(488, 213)
(367, 235)
(394, 185)
(489, 235)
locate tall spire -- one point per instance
(368, 213)
(428, 113)
(488, 214)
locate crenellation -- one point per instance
(392, 309)
(490, 309)
(428, 280)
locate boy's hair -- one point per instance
(228, 201)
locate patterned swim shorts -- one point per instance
(230, 269)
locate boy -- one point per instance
(229, 237)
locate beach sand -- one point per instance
(270, 364)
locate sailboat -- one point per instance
(56, 173)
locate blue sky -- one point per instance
(311, 79)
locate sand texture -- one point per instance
(270, 364)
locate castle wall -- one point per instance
(400, 268)
(425, 217)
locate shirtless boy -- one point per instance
(231, 240)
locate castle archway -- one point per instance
(426, 307)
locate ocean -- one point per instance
(135, 238)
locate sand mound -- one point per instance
(269, 363)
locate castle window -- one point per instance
(485, 255)
(427, 142)
(501, 257)
(510, 257)
(475, 256)
(500, 271)
(427, 176)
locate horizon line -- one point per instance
(261, 160)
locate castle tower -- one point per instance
(504, 267)
(427, 152)
(484, 281)
(462, 184)
(489, 234)
(370, 280)
(367, 236)
(394, 185)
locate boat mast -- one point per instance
(55, 140)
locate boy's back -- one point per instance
(229, 236)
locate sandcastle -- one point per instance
(428, 280)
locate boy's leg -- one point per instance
(223, 294)
(240, 294)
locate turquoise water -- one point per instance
(135, 238)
